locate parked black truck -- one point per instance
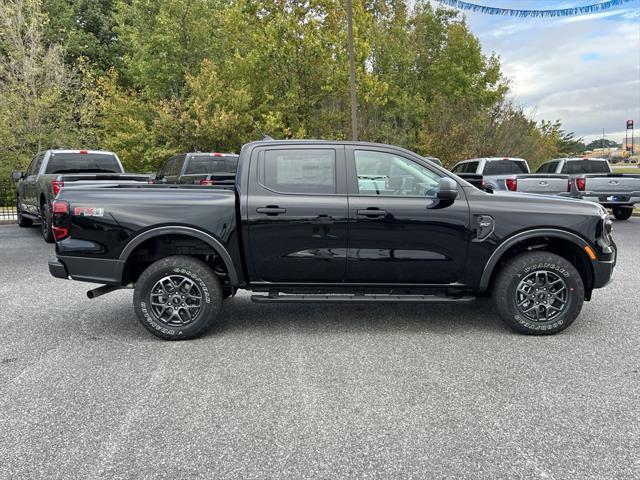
(199, 168)
(319, 221)
(51, 170)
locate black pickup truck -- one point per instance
(320, 221)
(52, 170)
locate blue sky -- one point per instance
(583, 70)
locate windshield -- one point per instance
(499, 167)
(207, 164)
(586, 166)
(82, 162)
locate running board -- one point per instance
(351, 298)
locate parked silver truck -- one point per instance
(592, 179)
(507, 173)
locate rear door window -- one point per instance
(471, 167)
(82, 162)
(168, 166)
(504, 167)
(304, 171)
(549, 167)
(36, 163)
(208, 164)
(586, 166)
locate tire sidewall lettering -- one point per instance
(546, 266)
(196, 278)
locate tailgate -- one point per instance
(85, 178)
(615, 183)
(543, 183)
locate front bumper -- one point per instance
(603, 269)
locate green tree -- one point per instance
(167, 39)
(37, 91)
(86, 29)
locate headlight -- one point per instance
(604, 239)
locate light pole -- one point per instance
(352, 73)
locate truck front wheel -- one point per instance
(538, 293)
(23, 221)
(177, 298)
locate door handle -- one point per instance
(272, 210)
(372, 212)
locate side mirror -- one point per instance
(447, 189)
(17, 175)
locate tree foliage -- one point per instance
(148, 78)
(37, 102)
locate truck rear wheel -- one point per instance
(538, 293)
(622, 213)
(45, 219)
(177, 298)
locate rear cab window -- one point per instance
(504, 167)
(586, 166)
(204, 164)
(62, 162)
(304, 171)
(468, 167)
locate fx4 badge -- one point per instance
(88, 212)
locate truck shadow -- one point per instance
(240, 314)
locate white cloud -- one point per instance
(584, 70)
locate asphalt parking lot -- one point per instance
(313, 391)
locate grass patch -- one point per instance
(625, 169)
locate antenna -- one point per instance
(264, 135)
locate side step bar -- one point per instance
(351, 298)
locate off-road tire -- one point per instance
(195, 271)
(519, 268)
(45, 218)
(622, 213)
(23, 222)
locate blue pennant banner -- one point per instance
(564, 12)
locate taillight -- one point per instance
(581, 184)
(512, 184)
(56, 186)
(60, 219)
(206, 182)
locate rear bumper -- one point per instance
(105, 271)
(610, 199)
(57, 269)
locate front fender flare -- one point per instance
(188, 231)
(519, 237)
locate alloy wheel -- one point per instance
(542, 296)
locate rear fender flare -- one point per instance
(188, 231)
(519, 237)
